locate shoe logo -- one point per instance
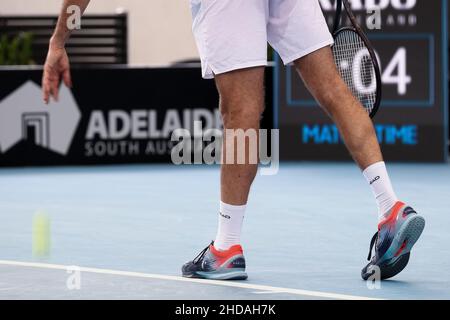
(238, 262)
(408, 211)
(374, 180)
(225, 215)
(208, 264)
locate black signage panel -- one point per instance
(412, 123)
(110, 116)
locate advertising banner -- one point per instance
(117, 115)
(411, 124)
(112, 115)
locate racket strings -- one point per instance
(356, 68)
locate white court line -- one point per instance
(316, 294)
(266, 292)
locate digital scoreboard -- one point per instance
(412, 46)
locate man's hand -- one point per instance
(56, 66)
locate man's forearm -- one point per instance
(62, 30)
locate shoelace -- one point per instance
(372, 243)
(200, 256)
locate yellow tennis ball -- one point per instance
(41, 234)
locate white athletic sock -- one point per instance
(230, 226)
(378, 179)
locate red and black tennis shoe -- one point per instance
(396, 235)
(217, 265)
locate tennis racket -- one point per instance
(356, 60)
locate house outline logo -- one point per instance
(25, 116)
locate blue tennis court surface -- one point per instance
(130, 228)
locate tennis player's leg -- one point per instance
(298, 31)
(399, 225)
(231, 36)
(241, 105)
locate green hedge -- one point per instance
(16, 50)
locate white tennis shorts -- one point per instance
(233, 34)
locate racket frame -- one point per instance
(358, 30)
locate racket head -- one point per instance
(358, 66)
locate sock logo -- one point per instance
(225, 215)
(374, 179)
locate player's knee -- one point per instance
(241, 114)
